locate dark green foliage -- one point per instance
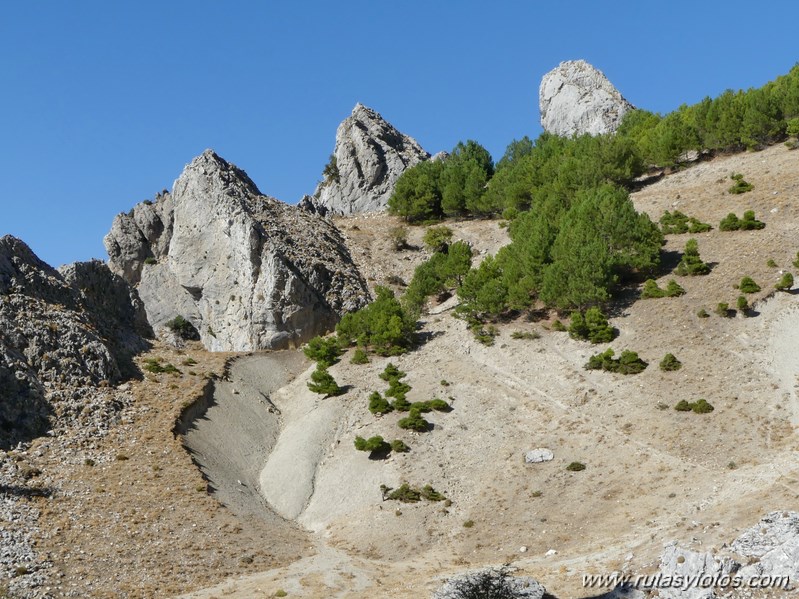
(417, 196)
(575, 467)
(401, 404)
(651, 289)
(399, 446)
(740, 186)
(323, 350)
(770, 263)
(359, 356)
(405, 493)
(391, 373)
(592, 326)
(674, 289)
(482, 292)
(529, 335)
(558, 326)
(374, 444)
(430, 494)
(183, 328)
(397, 389)
(330, 172)
(379, 404)
(677, 222)
(691, 264)
(383, 325)
(439, 405)
(742, 304)
(438, 238)
(322, 382)
(700, 406)
(157, 366)
(670, 363)
(748, 285)
(785, 283)
(627, 363)
(748, 223)
(414, 421)
(442, 271)
(702, 313)
(723, 309)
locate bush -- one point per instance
(559, 326)
(430, 494)
(157, 366)
(673, 289)
(528, 335)
(493, 583)
(740, 186)
(322, 382)
(330, 172)
(379, 404)
(770, 263)
(742, 304)
(398, 236)
(484, 333)
(730, 223)
(575, 467)
(670, 363)
(677, 222)
(384, 325)
(785, 283)
(401, 404)
(359, 356)
(651, 289)
(747, 223)
(684, 406)
(723, 309)
(392, 373)
(323, 350)
(593, 326)
(414, 421)
(702, 313)
(183, 328)
(748, 285)
(796, 261)
(700, 406)
(374, 444)
(405, 493)
(627, 363)
(437, 239)
(399, 446)
(691, 264)
(150, 260)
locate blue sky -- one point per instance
(104, 103)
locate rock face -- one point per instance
(369, 157)
(248, 271)
(575, 98)
(58, 333)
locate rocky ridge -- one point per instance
(576, 98)
(369, 156)
(248, 271)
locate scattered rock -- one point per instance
(575, 98)
(369, 157)
(535, 456)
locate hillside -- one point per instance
(138, 521)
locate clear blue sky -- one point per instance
(104, 102)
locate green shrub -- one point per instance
(157, 366)
(702, 313)
(749, 222)
(575, 467)
(561, 328)
(359, 356)
(730, 223)
(398, 236)
(684, 406)
(384, 325)
(528, 335)
(673, 289)
(414, 421)
(742, 304)
(430, 494)
(323, 350)
(670, 363)
(437, 239)
(677, 222)
(330, 172)
(770, 263)
(183, 328)
(796, 261)
(748, 285)
(379, 404)
(469, 524)
(593, 326)
(740, 186)
(785, 283)
(401, 404)
(392, 373)
(651, 289)
(399, 446)
(374, 444)
(701, 406)
(628, 362)
(484, 333)
(691, 264)
(723, 309)
(439, 405)
(405, 493)
(322, 382)
(150, 260)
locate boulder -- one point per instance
(576, 98)
(248, 271)
(369, 156)
(535, 456)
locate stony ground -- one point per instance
(139, 522)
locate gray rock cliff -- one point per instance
(575, 98)
(60, 336)
(248, 271)
(369, 156)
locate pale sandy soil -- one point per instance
(653, 474)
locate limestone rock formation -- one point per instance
(248, 271)
(575, 98)
(369, 157)
(58, 334)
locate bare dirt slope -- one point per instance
(144, 526)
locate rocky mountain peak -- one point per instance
(369, 156)
(213, 173)
(576, 98)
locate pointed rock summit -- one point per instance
(576, 98)
(369, 157)
(248, 271)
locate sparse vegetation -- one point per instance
(325, 351)
(691, 264)
(770, 263)
(399, 446)
(398, 236)
(150, 260)
(183, 328)
(702, 313)
(700, 406)
(676, 222)
(739, 185)
(379, 404)
(651, 289)
(592, 326)
(628, 362)
(670, 363)
(748, 285)
(384, 325)
(158, 366)
(527, 335)
(748, 223)
(742, 304)
(785, 283)
(359, 356)
(374, 444)
(322, 382)
(723, 309)
(575, 467)
(437, 239)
